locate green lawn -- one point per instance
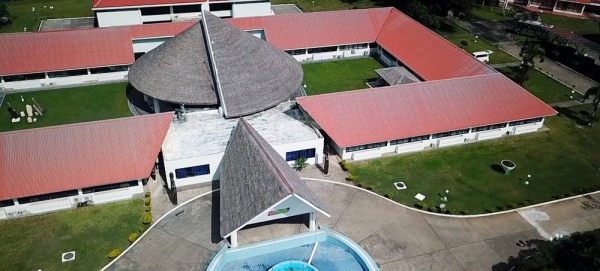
(497, 57)
(486, 12)
(342, 75)
(580, 26)
(544, 87)
(22, 16)
(37, 242)
(327, 5)
(561, 161)
(69, 105)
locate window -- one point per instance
(322, 50)
(6, 203)
(521, 122)
(187, 9)
(192, 171)
(220, 6)
(156, 11)
(408, 140)
(366, 147)
(67, 73)
(489, 127)
(451, 133)
(107, 187)
(58, 195)
(388, 55)
(296, 52)
(293, 155)
(353, 46)
(23, 77)
(373, 45)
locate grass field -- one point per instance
(21, 13)
(544, 87)
(327, 5)
(579, 26)
(561, 161)
(336, 76)
(489, 13)
(37, 242)
(498, 57)
(69, 105)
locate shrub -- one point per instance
(423, 205)
(389, 195)
(510, 206)
(134, 236)
(488, 210)
(352, 178)
(370, 187)
(147, 201)
(114, 253)
(147, 195)
(465, 212)
(147, 218)
(148, 208)
(452, 211)
(568, 194)
(344, 165)
(429, 209)
(520, 203)
(500, 208)
(142, 229)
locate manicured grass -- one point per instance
(37, 242)
(579, 26)
(336, 76)
(327, 5)
(486, 12)
(560, 161)
(22, 16)
(449, 29)
(69, 105)
(543, 86)
(497, 57)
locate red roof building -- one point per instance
(60, 158)
(97, 4)
(382, 114)
(25, 53)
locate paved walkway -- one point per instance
(398, 238)
(67, 24)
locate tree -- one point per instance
(530, 52)
(593, 91)
(3, 10)
(463, 44)
(300, 163)
(420, 12)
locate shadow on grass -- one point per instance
(497, 168)
(581, 117)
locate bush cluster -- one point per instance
(114, 253)
(352, 178)
(147, 201)
(147, 218)
(148, 208)
(147, 194)
(134, 236)
(344, 165)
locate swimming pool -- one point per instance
(293, 266)
(321, 250)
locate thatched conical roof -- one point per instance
(253, 74)
(177, 71)
(253, 178)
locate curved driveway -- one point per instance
(397, 238)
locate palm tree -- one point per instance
(593, 91)
(529, 53)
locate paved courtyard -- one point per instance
(67, 24)
(285, 9)
(396, 237)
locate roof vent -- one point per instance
(68, 256)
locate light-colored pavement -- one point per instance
(396, 237)
(67, 24)
(285, 9)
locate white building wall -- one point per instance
(250, 9)
(71, 202)
(297, 207)
(340, 54)
(146, 45)
(214, 161)
(157, 18)
(64, 81)
(119, 17)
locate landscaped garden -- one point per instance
(22, 15)
(579, 26)
(37, 242)
(543, 86)
(476, 45)
(69, 105)
(336, 76)
(327, 5)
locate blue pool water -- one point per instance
(293, 266)
(328, 257)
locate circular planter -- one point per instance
(508, 166)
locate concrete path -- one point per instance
(67, 24)
(398, 238)
(285, 9)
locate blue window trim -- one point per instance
(293, 155)
(187, 172)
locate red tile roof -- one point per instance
(396, 112)
(425, 52)
(64, 50)
(158, 30)
(59, 158)
(132, 3)
(305, 30)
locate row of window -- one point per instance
(328, 49)
(69, 193)
(354, 46)
(440, 135)
(293, 155)
(187, 172)
(38, 76)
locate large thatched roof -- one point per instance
(241, 73)
(177, 71)
(397, 75)
(253, 178)
(253, 74)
